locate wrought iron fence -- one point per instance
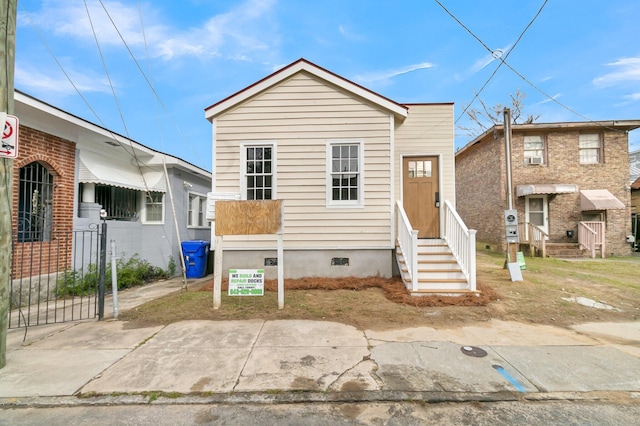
(55, 280)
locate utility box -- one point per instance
(195, 254)
(511, 225)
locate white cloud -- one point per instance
(547, 100)
(627, 69)
(633, 97)
(234, 33)
(35, 79)
(389, 74)
(347, 34)
(483, 62)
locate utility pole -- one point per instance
(510, 214)
(507, 149)
(8, 16)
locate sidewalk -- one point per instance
(295, 360)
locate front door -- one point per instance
(421, 195)
(537, 211)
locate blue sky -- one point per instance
(579, 60)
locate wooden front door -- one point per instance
(420, 195)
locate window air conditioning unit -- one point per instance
(535, 160)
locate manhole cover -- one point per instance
(473, 351)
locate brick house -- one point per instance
(68, 169)
(634, 171)
(567, 179)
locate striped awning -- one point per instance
(96, 168)
(599, 199)
(545, 188)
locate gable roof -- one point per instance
(622, 125)
(302, 65)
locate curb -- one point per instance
(275, 397)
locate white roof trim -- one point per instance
(96, 168)
(296, 67)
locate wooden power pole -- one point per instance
(7, 64)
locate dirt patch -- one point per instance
(393, 289)
(380, 304)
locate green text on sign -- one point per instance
(246, 282)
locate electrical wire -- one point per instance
(164, 163)
(115, 97)
(151, 86)
(503, 61)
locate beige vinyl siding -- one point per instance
(428, 130)
(300, 115)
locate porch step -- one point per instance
(441, 292)
(438, 270)
(566, 251)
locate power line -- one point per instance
(115, 97)
(151, 86)
(503, 61)
(493, 52)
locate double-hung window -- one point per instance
(153, 207)
(590, 148)
(345, 173)
(258, 171)
(197, 211)
(534, 149)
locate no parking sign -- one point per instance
(9, 147)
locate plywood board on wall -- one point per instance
(248, 217)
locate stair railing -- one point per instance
(408, 241)
(591, 235)
(537, 239)
(462, 242)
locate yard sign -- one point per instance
(247, 217)
(246, 282)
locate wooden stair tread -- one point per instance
(432, 291)
(442, 280)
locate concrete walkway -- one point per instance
(294, 360)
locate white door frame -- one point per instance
(544, 211)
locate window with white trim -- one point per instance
(258, 171)
(196, 215)
(153, 207)
(590, 148)
(533, 149)
(344, 173)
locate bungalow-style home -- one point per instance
(366, 183)
(68, 170)
(570, 185)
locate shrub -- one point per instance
(131, 272)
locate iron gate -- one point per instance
(58, 278)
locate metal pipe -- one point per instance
(507, 147)
(114, 278)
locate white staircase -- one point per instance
(438, 270)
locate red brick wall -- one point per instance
(480, 190)
(479, 193)
(58, 156)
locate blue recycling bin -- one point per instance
(195, 254)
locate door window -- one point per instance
(536, 211)
(420, 168)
